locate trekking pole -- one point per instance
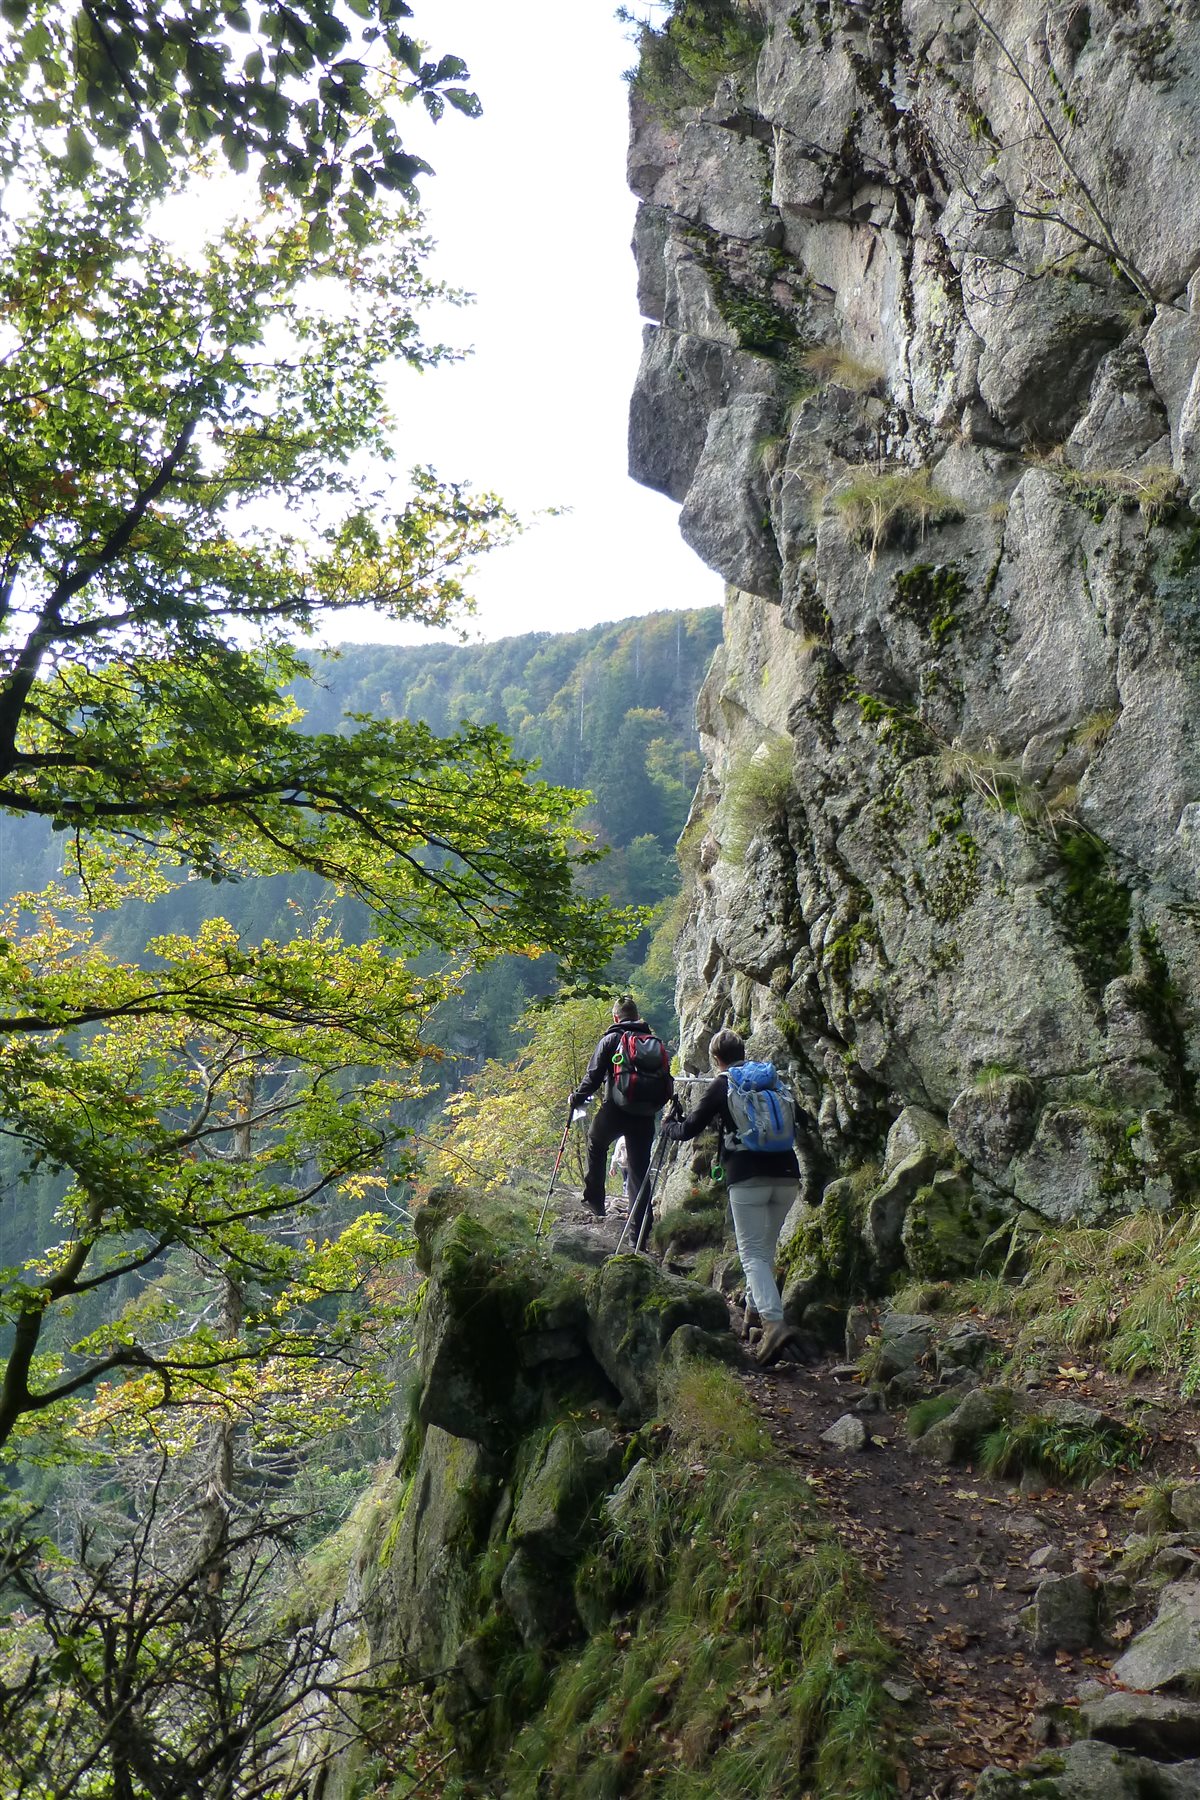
(651, 1178)
(648, 1215)
(562, 1149)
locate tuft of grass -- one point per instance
(835, 367)
(928, 1412)
(881, 508)
(1127, 1295)
(757, 790)
(1093, 732)
(924, 1297)
(1060, 807)
(1154, 1515)
(752, 1663)
(993, 1078)
(1155, 491)
(770, 450)
(1058, 1451)
(995, 778)
(686, 1229)
(709, 1415)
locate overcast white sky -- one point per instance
(532, 215)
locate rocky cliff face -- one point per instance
(923, 372)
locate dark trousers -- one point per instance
(610, 1123)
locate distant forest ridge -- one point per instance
(581, 703)
(610, 709)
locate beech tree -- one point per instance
(306, 92)
(195, 466)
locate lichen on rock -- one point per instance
(934, 418)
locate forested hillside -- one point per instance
(608, 710)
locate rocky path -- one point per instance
(955, 1558)
(1006, 1603)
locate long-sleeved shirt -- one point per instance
(740, 1165)
(600, 1069)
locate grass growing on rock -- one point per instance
(1058, 1450)
(757, 790)
(752, 1663)
(1126, 1295)
(881, 509)
(928, 1412)
(1156, 491)
(684, 1228)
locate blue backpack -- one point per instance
(764, 1113)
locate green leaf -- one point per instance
(406, 50)
(156, 159)
(80, 155)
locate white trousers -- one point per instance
(759, 1209)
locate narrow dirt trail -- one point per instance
(949, 1553)
(955, 1557)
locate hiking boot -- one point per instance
(774, 1341)
(750, 1323)
(595, 1207)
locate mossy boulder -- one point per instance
(473, 1384)
(690, 1341)
(420, 1589)
(1167, 1653)
(1091, 1771)
(633, 1311)
(916, 1131)
(887, 1207)
(1079, 1167)
(948, 1228)
(562, 1487)
(538, 1599)
(429, 1219)
(957, 1437)
(825, 1253)
(994, 1121)
(492, 1320)
(905, 1340)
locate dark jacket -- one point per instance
(599, 1070)
(739, 1164)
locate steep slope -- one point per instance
(923, 373)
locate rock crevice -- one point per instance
(923, 372)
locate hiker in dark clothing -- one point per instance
(621, 1114)
(762, 1186)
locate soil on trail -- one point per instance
(955, 1557)
(949, 1552)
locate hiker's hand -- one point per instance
(671, 1129)
(675, 1112)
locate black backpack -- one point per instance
(641, 1073)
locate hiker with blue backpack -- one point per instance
(757, 1121)
(633, 1066)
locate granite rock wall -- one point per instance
(922, 369)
